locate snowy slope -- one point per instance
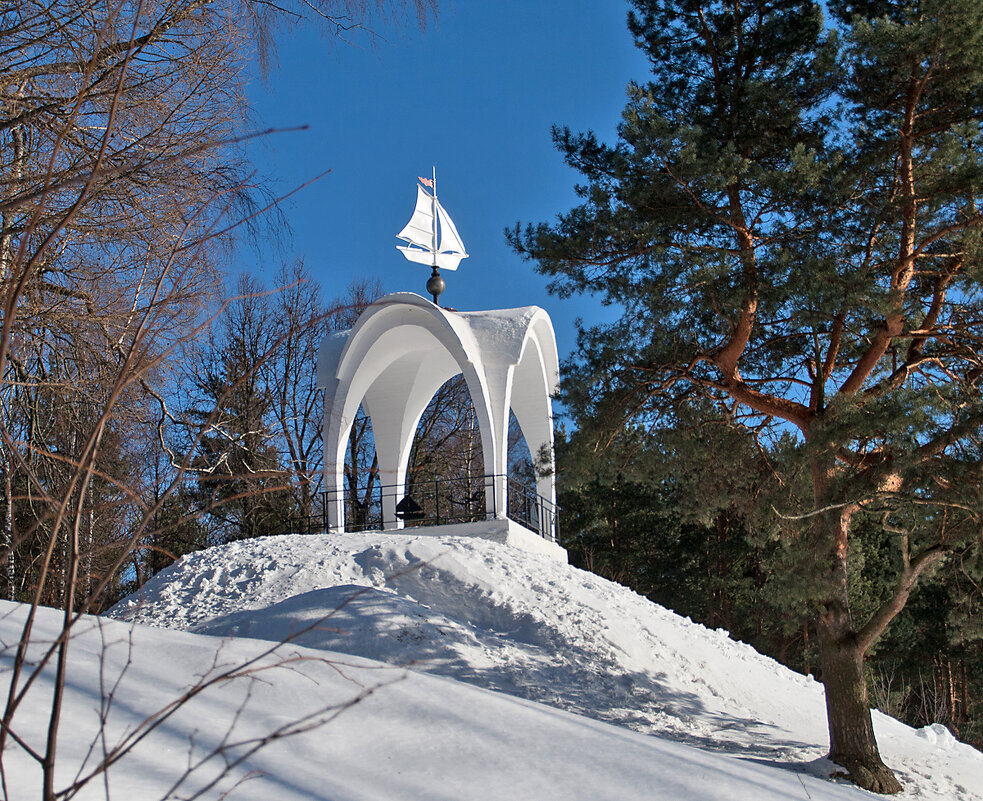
(400, 735)
(525, 625)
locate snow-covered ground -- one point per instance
(663, 708)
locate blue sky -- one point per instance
(475, 94)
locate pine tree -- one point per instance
(791, 227)
(242, 485)
(678, 518)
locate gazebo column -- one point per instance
(333, 429)
(534, 413)
(335, 507)
(498, 381)
(537, 428)
(335, 437)
(387, 405)
(385, 416)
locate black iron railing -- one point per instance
(443, 501)
(317, 523)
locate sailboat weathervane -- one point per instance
(433, 239)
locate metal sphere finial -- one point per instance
(436, 285)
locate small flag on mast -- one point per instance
(431, 236)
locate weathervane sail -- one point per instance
(433, 239)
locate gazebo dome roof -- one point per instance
(497, 335)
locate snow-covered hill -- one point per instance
(524, 625)
(399, 735)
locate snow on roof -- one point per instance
(499, 335)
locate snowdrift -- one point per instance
(368, 732)
(525, 625)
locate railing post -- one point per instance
(436, 500)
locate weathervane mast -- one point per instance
(421, 233)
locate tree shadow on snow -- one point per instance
(509, 654)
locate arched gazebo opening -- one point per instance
(361, 475)
(445, 472)
(520, 464)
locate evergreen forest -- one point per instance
(780, 432)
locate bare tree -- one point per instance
(120, 176)
(109, 167)
(301, 322)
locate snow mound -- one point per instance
(519, 623)
(366, 731)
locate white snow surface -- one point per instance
(722, 720)
(585, 691)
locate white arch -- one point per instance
(401, 350)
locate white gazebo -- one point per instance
(402, 349)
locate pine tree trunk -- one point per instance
(851, 731)
(852, 744)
